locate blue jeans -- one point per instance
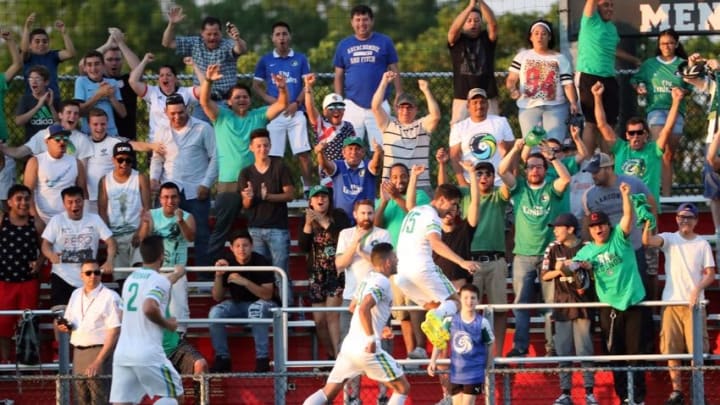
(524, 276)
(200, 210)
(227, 207)
(243, 309)
(274, 244)
(552, 118)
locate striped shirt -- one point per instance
(407, 144)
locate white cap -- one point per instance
(332, 98)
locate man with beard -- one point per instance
(156, 95)
(472, 50)
(283, 60)
(209, 48)
(233, 126)
(50, 172)
(537, 202)
(420, 279)
(481, 137)
(405, 139)
(352, 256)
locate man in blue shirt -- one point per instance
(360, 61)
(283, 60)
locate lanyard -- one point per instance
(83, 309)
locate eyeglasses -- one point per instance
(636, 133)
(96, 272)
(124, 160)
(535, 167)
(485, 173)
(58, 138)
(336, 108)
(685, 218)
(113, 59)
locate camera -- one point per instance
(61, 320)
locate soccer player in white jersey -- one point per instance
(361, 351)
(418, 277)
(139, 363)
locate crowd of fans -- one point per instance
(577, 202)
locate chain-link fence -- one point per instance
(687, 164)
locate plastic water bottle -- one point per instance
(642, 98)
(535, 136)
(301, 305)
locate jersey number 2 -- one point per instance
(133, 289)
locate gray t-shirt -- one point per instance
(609, 200)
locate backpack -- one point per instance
(27, 339)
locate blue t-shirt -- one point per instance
(50, 60)
(293, 67)
(364, 63)
(232, 138)
(468, 350)
(86, 88)
(176, 246)
(351, 185)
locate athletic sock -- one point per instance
(397, 399)
(318, 398)
(446, 308)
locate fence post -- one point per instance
(507, 389)
(204, 389)
(698, 383)
(490, 386)
(63, 386)
(630, 383)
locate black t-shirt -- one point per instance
(242, 294)
(265, 214)
(568, 288)
(127, 127)
(42, 118)
(458, 240)
(473, 61)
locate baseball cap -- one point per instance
(598, 218)
(688, 207)
(123, 148)
(565, 219)
(476, 92)
(353, 140)
(485, 166)
(407, 98)
(318, 190)
(56, 129)
(568, 144)
(332, 98)
(598, 161)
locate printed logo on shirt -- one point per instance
(635, 167)
(462, 342)
(483, 146)
(363, 53)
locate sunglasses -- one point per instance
(636, 133)
(685, 217)
(93, 272)
(485, 173)
(336, 108)
(59, 138)
(124, 160)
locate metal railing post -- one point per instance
(280, 346)
(507, 390)
(630, 383)
(698, 382)
(204, 389)
(490, 386)
(63, 387)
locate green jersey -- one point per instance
(617, 278)
(490, 232)
(645, 164)
(232, 138)
(393, 215)
(573, 168)
(659, 78)
(535, 208)
(597, 43)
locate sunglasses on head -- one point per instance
(636, 132)
(121, 160)
(58, 138)
(96, 272)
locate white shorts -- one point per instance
(132, 383)
(425, 286)
(126, 255)
(179, 306)
(363, 121)
(379, 366)
(296, 129)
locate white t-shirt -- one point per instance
(542, 78)
(92, 315)
(155, 99)
(413, 248)
(100, 163)
(75, 242)
(79, 146)
(124, 203)
(359, 267)
(53, 176)
(378, 286)
(685, 261)
(479, 140)
(140, 342)
(580, 182)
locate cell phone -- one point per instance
(229, 26)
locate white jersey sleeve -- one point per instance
(414, 250)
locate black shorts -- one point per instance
(60, 290)
(184, 357)
(610, 97)
(467, 389)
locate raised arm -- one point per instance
(489, 16)
(509, 162)
(16, 61)
(135, 79)
(323, 162)
(430, 121)
(648, 239)
(441, 157)
(381, 116)
(667, 129)
(626, 222)
(375, 165)
(457, 24)
(209, 106)
(239, 46)
(605, 129)
(281, 103)
(130, 57)
(563, 179)
(411, 192)
(175, 15)
(455, 157)
(69, 51)
(473, 216)
(582, 150)
(312, 111)
(25, 38)
(590, 8)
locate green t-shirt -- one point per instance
(232, 137)
(393, 215)
(3, 124)
(645, 164)
(659, 78)
(571, 164)
(170, 339)
(535, 208)
(597, 43)
(617, 279)
(490, 231)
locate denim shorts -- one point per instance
(659, 117)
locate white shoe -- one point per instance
(445, 401)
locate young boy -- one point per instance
(472, 349)
(571, 284)
(38, 109)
